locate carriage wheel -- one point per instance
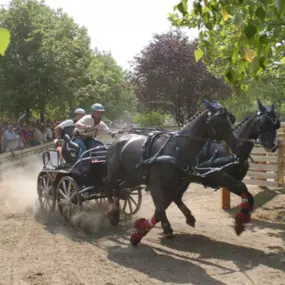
(47, 194)
(130, 201)
(68, 200)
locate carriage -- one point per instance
(67, 182)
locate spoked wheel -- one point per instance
(130, 201)
(68, 199)
(47, 196)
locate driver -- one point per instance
(67, 126)
(90, 126)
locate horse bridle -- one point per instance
(274, 122)
(221, 111)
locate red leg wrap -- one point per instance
(244, 205)
(244, 196)
(149, 224)
(142, 226)
(243, 218)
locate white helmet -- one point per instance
(80, 111)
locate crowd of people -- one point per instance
(19, 136)
(34, 133)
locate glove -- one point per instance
(55, 141)
(88, 129)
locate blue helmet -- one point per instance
(97, 108)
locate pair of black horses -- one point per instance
(167, 162)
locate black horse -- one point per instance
(168, 158)
(262, 126)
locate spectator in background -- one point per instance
(24, 135)
(33, 134)
(4, 127)
(43, 132)
(49, 132)
(38, 135)
(11, 139)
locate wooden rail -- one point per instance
(9, 160)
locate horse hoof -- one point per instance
(135, 239)
(114, 218)
(168, 235)
(114, 222)
(239, 228)
(190, 221)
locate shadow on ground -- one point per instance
(170, 264)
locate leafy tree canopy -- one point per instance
(167, 77)
(242, 37)
(49, 66)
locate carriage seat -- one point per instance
(70, 151)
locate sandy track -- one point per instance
(40, 252)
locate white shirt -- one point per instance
(100, 128)
(66, 123)
(12, 140)
(10, 135)
(49, 133)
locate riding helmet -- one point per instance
(97, 108)
(80, 111)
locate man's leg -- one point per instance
(81, 146)
(94, 143)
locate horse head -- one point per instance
(219, 122)
(267, 125)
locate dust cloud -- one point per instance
(18, 187)
(20, 199)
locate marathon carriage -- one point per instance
(68, 182)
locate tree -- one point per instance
(166, 77)
(110, 85)
(46, 59)
(242, 37)
(50, 68)
(150, 119)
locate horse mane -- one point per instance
(242, 123)
(196, 115)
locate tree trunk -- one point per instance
(28, 114)
(42, 111)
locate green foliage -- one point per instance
(230, 31)
(150, 119)
(50, 67)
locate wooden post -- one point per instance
(261, 162)
(281, 165)
(226, 199)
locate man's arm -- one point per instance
(58, 129)
(81, 124)
(106, 130)
(57, 132)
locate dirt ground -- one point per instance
(36, 251)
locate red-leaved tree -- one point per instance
(166, 77)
